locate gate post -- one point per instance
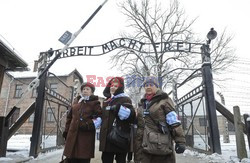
(38, 117)
(36, 131)
(4, 128)
(210, 99)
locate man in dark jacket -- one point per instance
(118, 110)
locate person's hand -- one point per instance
(179, 148)
(65, 135)
(124, 113)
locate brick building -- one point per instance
(9, 60)
(59, 89)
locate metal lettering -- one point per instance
(79, 50)
(132, 44)
(113, 45)
(105, 47)
(72, 51)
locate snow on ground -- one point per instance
(21, 143)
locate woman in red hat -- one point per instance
(117, 110)
(82, 120)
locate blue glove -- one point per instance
(172, 118)
(124, 113)
(97, 122)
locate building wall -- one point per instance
(202, 129)
(8, 100)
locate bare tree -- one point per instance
(150, 24)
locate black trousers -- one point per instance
(129, 156)
(75, 160)
(108, 157)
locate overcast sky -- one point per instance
(32, 27)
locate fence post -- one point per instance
(247, 125)
(240, 142)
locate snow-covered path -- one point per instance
(22, 142)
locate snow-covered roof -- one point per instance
(14, 62)
(31, 74)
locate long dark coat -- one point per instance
(81, 144)
(160, 105)
(108, 117)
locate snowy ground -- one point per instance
(22, 143)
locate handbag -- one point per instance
(156, 142)
(119, 137)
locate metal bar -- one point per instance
(38, 117)
(226, 113)
(10, 114)
(56, 102)
(71, 40)
(57, 96)
(21, 120)
(58, 79)
(188, 78)
(190, 94)
(192, 121)
(57, 122)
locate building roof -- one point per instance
(31, 74)
(10, 60)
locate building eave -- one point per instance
(10, 60)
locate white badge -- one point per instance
(107, 107)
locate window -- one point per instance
(53, 88)
(203, 122)
(34, 93)
(50, 117)
(18, 91)
(31, 118)
(15, 116)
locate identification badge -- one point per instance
(107, 107)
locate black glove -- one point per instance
(65, 135)
(180, 148)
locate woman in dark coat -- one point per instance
(117, 108)
(82, 121)
(155, 112)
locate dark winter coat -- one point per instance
(160, 105)
(80, 143)
(108, 117)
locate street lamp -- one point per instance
(205, 47)
(211, 35)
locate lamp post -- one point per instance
(214, 137)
